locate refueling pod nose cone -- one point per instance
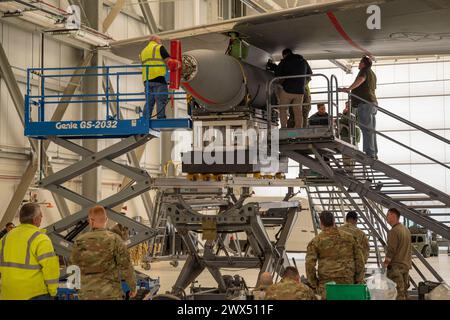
(220, 82)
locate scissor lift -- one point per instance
(133, 132)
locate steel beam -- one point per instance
(91, 181)
(125, 11)
(346, 68)
(115, 10)
(148, 17)
(255, 6)
(22, 188)
(16, 95)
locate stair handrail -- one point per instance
(395, 141)
(270, 92)
(403, 120)
(335, 89)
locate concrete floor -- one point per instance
(168, 274)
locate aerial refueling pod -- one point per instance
(220, 82)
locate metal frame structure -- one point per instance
(198, 195)
(77, 221)
(251, 219)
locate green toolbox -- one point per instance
(346, 291)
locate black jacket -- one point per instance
(319, 120)
(292, 65)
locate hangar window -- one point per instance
(229, 9)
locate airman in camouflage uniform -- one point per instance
(103, 260)
(121, 231)
(264, 282)
(360, 237)
(398, 254)
(337, 254)
(290, 288)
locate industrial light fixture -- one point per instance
(90, 38)
(39, 19)
(51, 24)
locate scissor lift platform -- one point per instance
(133, 133)
(112, 101)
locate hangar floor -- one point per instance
(168, 274)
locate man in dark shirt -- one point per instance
(9, 226)
(293, 90)
(320, 118)
(364, 87)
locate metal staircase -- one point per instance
(342, 178)
(330, 194)
(325, 195)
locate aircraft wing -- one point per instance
(334, 30)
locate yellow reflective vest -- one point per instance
(29, 266)
(151, 56)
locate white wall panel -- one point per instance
(430, 174)
(428, 112)
(184, 14)
(430, 146)
(384, 73)
(136, 29)
(401, 72)
(389, 151)
(400, 107)
(392, 90)
(426, 71)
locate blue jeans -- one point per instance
(367, 121)
(160, 96)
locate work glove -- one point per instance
(173, 64)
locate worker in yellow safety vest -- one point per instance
(154, 59)
(29, 267)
